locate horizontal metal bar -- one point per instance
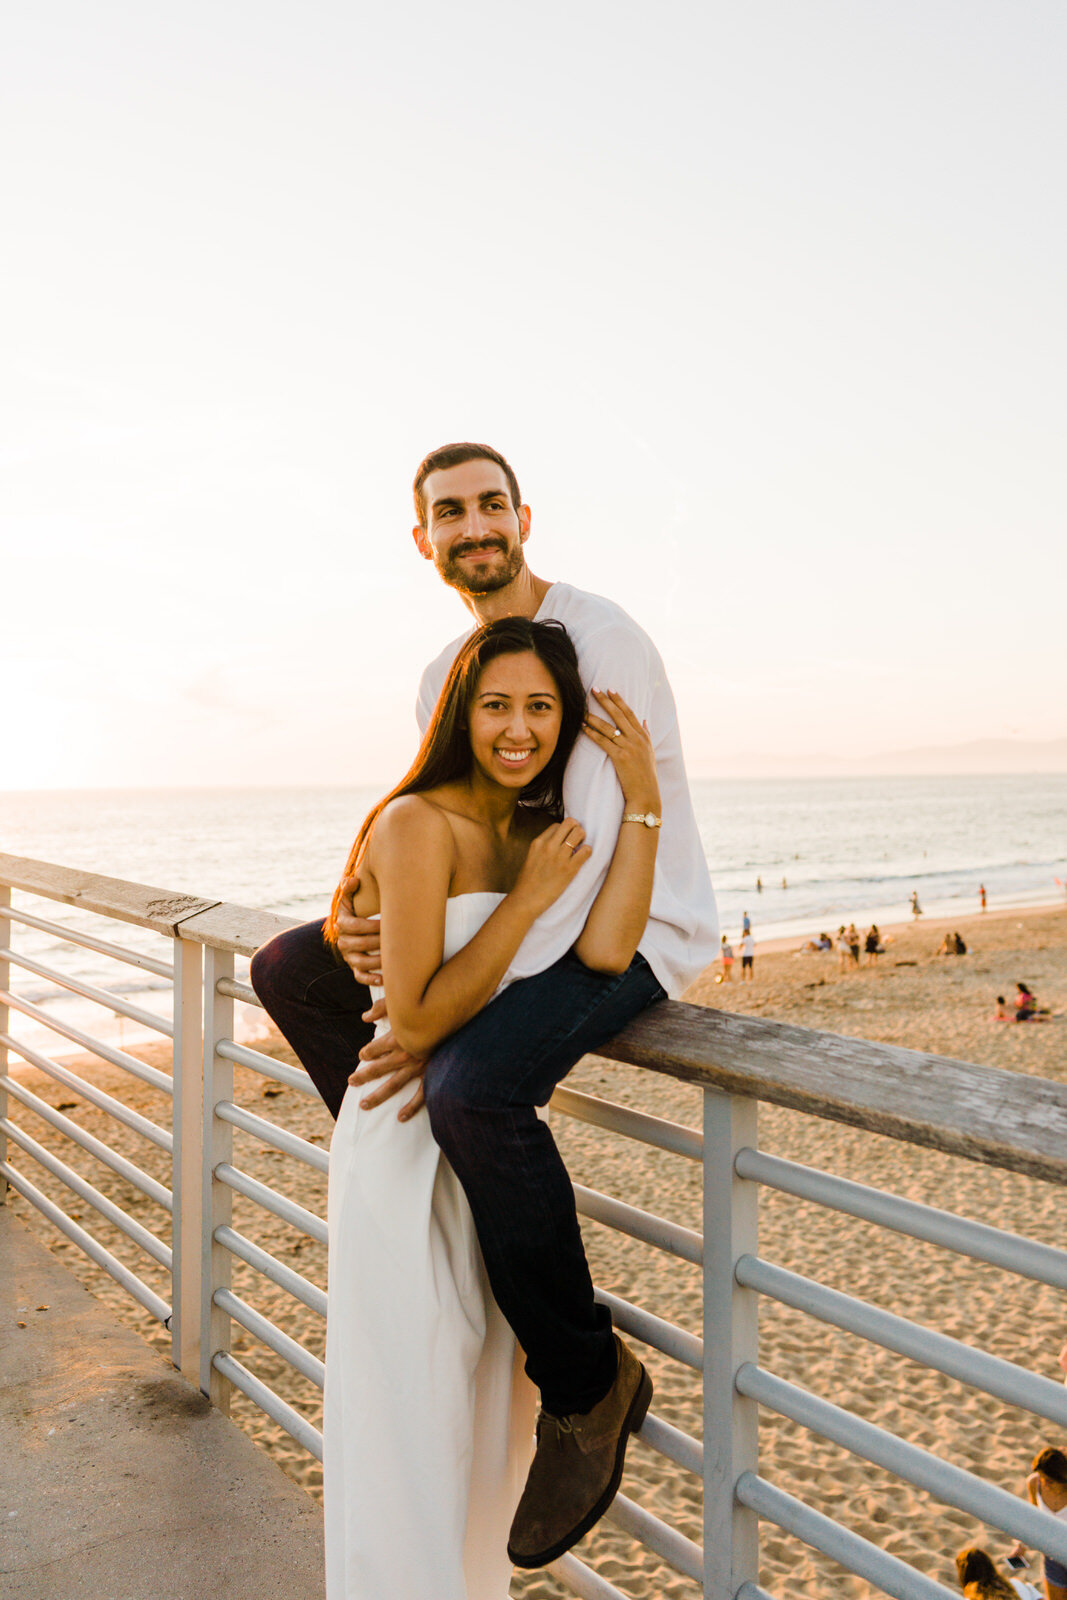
(666, 1542)
(103, 1152)
(583, 1581)
(1026, 1258)
(658, 1231)
(107, 1208)
(983, 1114)
(888, 1573)
(664, 1135)
(236, 990)
(277, 1204)
(293, 1077)
(93, 1249)
(301, 1288)
(269, 1134)
(940, 1478)
(671, 1442)
(133, 958)
(271, 1335)
(296, 1426)
(95, 1047)
(653, 1330)
(89, 991)
(950, 1356)
(162, 1138)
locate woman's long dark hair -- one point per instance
(979, 1577)
(1053, 1463)
(445, 752)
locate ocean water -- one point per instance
(844, 848)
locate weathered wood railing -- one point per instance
(999, 1118)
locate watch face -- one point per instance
(650, 819)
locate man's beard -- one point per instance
(483, 580)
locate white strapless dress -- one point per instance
(428, 1415)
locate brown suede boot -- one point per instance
(578, 1467)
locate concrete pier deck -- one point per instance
(118, 1480)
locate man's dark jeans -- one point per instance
(482, 1088)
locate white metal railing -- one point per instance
(1006, 1121)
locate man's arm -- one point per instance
(619, 658)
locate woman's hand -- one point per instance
(554, 860)
(628, 743)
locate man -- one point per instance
(483, 1085)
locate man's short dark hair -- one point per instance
(454, 455)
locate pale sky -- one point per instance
(765, 303)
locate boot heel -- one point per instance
(642, 1401)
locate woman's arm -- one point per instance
(1018, 1548)
(413, 862)
(619, 913)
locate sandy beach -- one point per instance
(912, 998)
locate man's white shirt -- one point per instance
(682, 934)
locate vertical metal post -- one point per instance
(5, 979)
(216, 1197)
(731, 1336)
(188, 1158)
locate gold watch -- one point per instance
(649, 818)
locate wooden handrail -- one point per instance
(1005, 1119)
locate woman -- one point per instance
(428, 1418)
(1046, 1487)
(854, 944)
(844, 951)
(979, 1578)
(1026, 1005)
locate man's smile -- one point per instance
(487, 549)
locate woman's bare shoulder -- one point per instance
(410, 822)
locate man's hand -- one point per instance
(358, 938)
(385, 1063)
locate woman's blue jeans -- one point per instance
(483, 1086)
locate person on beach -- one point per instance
(980, 1580)
(746, 922)
(483, 1085)
(1026, 1006)
(726, 952)
(459, 861)
(1046, 1488)
(873, 945)
(1001, 1013)
(748, 957)
(844, 949)
(916, 908)
(854, 944)
(982, 895)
